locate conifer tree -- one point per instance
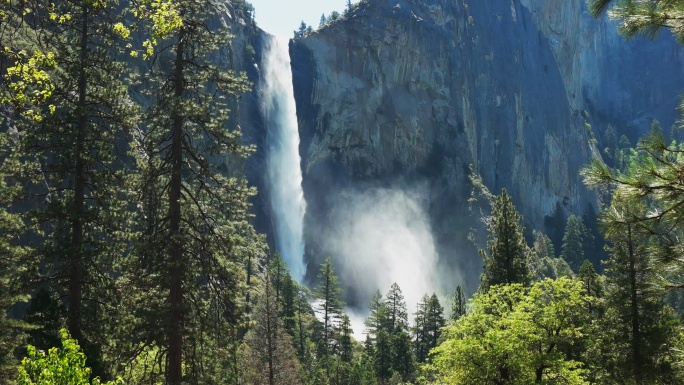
(345, 339)
(544, 262)
(435, 320)
(16, 264)
(195, 235)
(636, 326)
(421, 339)
(651, 177)
(574, 239)
(402, 356)
(329, 293)
(429, 320)
(73, 142)
(383, 355)
(377, 313)
(268, 357)
(458, 307)
(285, 292)
(397, 316)
(592, 282)
(507, 255)
(643, 17)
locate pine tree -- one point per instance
(420, 328)
(397, 316)
(643, 17)
(402, 356)
(301, 32)
(434, 320)
(348, 8)
(195, 236)
(507, 255)
(345, 339)
(429, 320)
(15, 263)
(592, 281)
(637, 326)
(329, 293)
(593, 286)
(80, 201)
(377, 314)
(458, 308)
(268, 357)
(322, 21)
(576, 235)
(383, 355)
(544, 263)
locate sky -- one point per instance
(281, 17)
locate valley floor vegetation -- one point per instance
(127, 255)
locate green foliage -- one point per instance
(512, 336)
(643, 17)
(17, 262)
(544, 264)
(507, 255)
(302, 31)
(267, 354)
(459, 305)
(574, 240)
(593, 284)
(29, 82)
(429, 320)
(651, 179)
(329, 294)
(377, 313)
(637, 327)
(65, 366)
(397, 315)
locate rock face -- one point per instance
(243, 55)
(413, 93)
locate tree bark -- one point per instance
(76, 273)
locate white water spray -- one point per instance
(282, 156)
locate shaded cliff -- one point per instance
(408, 94)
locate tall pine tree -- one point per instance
(507, 255)
(458, 307)
(329, 294)
(636, 326)
(195, 234)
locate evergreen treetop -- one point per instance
(507, 255)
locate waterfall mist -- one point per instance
(282, 155)
(382, 236)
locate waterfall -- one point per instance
(282, 155)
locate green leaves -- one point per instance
(29, 82)
(65, 366)
(513, 336)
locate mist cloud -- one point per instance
(382, 236)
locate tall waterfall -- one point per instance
(282, 155)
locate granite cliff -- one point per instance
(410, 94)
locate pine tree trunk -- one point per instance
(175, 360)
(76, 274)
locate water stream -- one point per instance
(282, 156)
